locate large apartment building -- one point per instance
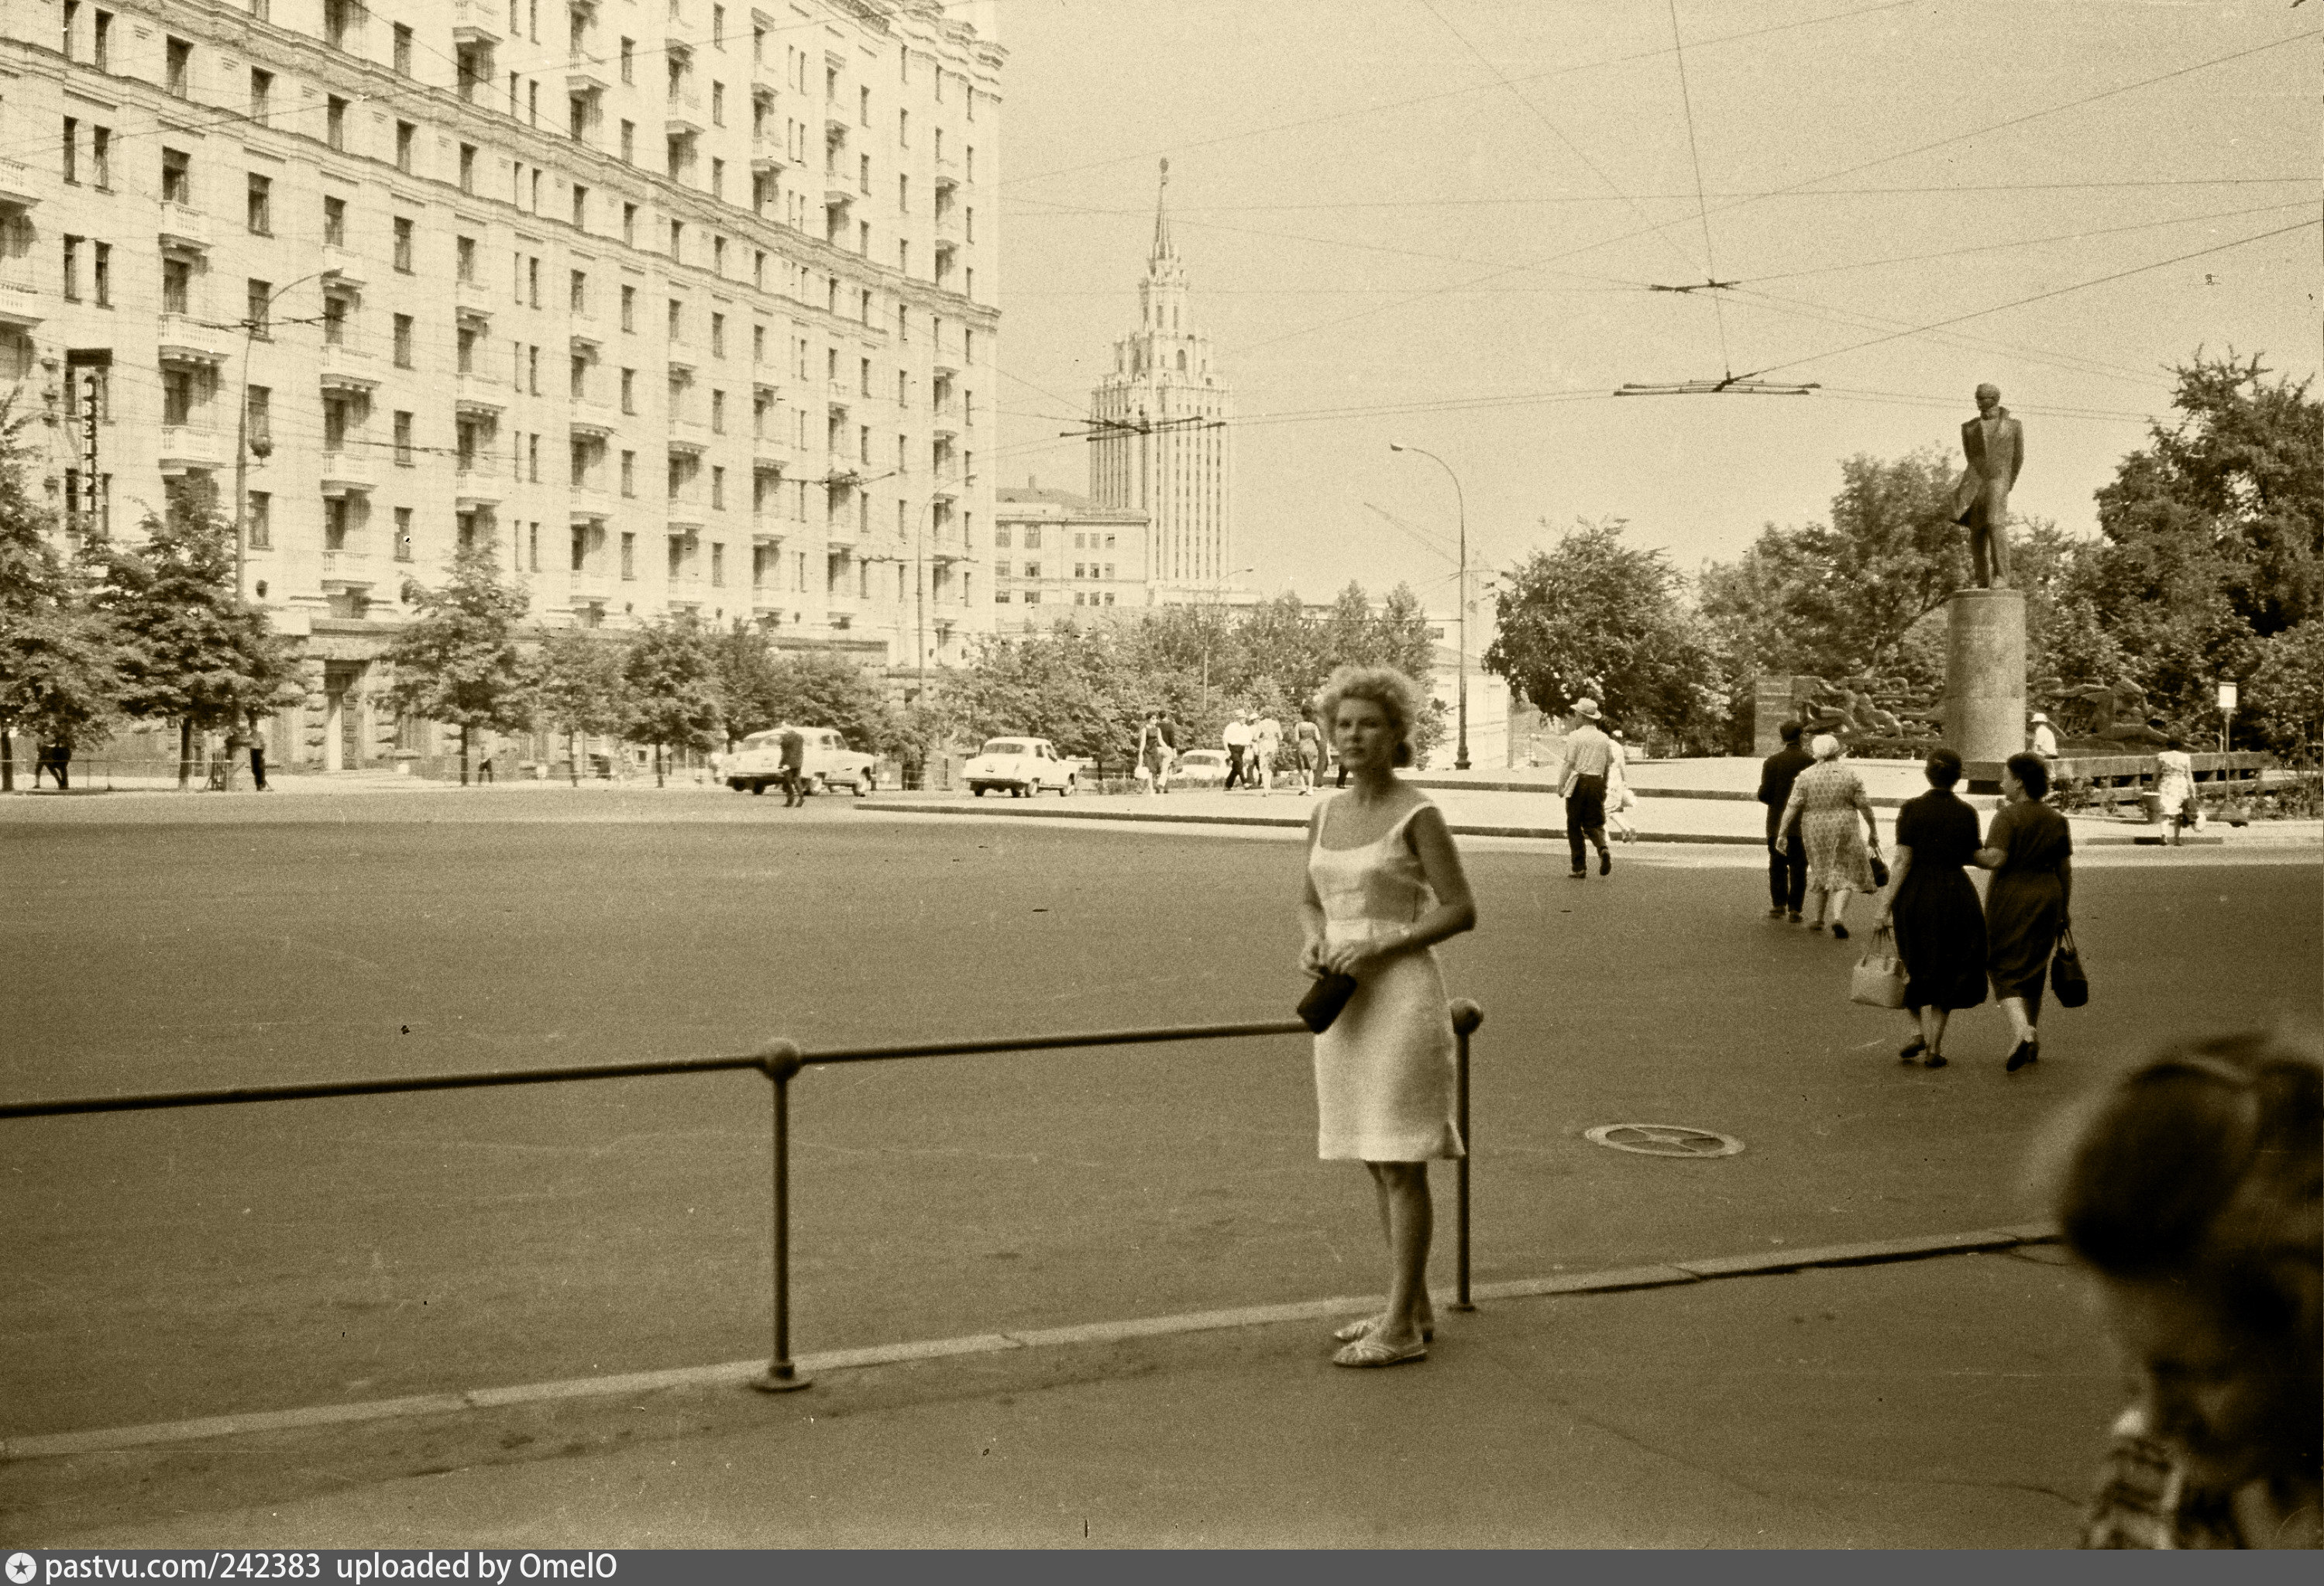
(676, 305)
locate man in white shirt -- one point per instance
(2045, 736)
(1589, 755)
(1237, 739)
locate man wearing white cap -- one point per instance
(1588, 752)
(2045, 737)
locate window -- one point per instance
(718, 184)
(677, 241)
(406, 133)
(335, 121)
(403, 534)
(578, 387)
(717, 490)
(100, 157)
(402, 51)
(628, 553)
(629, 60)
(258, 522)
(577, 292)
(73, 157)
(403, 440)
(676, 313)
(335, 320)
(629, 309)
(532, 547)
(261, 94)
(100, 54)
(72, 268)
(718, 103)
(718, 335)
(467, 167)
(464, 253)
(403, 341)
(338, 516)
(261, 205)
(334, 223)
(532, 280)
(401, 252)
(258, 418)
(629, 390)
(864, 106)
(340, 18)
(532, 369)
(864, 377)
(580, 548)
(177, 67)
(758, 345)
(532, 457)
(102, 276)
(580, 208)
(465, 349)
(630, 225)
(864, 174)
(629, 488)
(718, 413)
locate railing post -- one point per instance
(1466, 1016)
(780, 1060)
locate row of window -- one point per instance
(1033, 597)
(1033, 569)
(1089, 541)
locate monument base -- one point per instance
(1984, 680)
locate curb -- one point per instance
(1713, 794)
(53, 1445)
(1459, 829)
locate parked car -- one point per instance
(757, 762)
(1201, 767)
(1025, 766)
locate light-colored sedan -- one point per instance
(1201, 767)
(1025, 766)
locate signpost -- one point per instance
(2226, 715)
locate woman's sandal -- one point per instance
(1933, 1060)
(2023, 1053)
(1370, 1352)
(1364, 1326)
(1913, 1048)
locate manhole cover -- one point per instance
(1663, 1140)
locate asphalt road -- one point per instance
(161, 1266)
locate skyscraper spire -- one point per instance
(1162, 248)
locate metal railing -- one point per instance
(781, 1062)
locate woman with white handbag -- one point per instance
(1934, 908)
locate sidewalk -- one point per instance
(1958, 1401)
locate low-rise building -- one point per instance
(1053, 551)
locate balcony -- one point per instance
(471, 300)
(18, 188)
(349, 570)
(767, 456)
(346, 473)
(767, 529)
(767, 156)
(190, 449)
(686, 520)
(682, 116)
(588, 587)
(688, 438)
(185, 228)
(947, 175)
(341, 368)
(476, 22)
(184, 340)
(834, 130)
(588, 503)
(591, 421)
(835, 196)
(584, 75)
(948, 227)
(475, 486)
(347, 266)
(20, 303)
(474, 393)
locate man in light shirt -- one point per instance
(1237, 739)
(1589, 753)
(2045, 736)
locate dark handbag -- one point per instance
(1324, 1000)
(1880, 875)
(2067, 984)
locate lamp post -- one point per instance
(1212, 606)
(1460, 755)
(251, 326)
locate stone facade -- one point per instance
(680, 306)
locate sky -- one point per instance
(1442, 222)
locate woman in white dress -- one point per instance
(1619, 799)
(1384, 884)
(2175, 782)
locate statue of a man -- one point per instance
(1995, 444)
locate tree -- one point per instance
(760, 686)
(2284, 700)
(577, 687)
(58, 665)
(671, 676)
(1074, 687)
(190, 649)
(2214, 531)
(458, 661)
(1600, 619)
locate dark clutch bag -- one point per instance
(1879, 872)
(2067, 984)
(1324, 1000)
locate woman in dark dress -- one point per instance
(1934, 908)
(2030, 852)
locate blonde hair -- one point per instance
(1825, 747)
(1396, 695)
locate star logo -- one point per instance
(22, 1568)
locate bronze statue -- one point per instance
(2112, 717)
(1994, 445)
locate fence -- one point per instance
(781, 1062)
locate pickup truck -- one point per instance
(756, 763)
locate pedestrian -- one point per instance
(792, 766)
(1588, 752)
(257, 756)
(1619, 799)
(1787, 864)
(2045, 736)
(2175, 783)
(1155, 750)
(1266, 743)
(2028, 904)
(1308, 748)
(1823, 814)
(1384, 884)
(2188, 1191)
(1237, 739)
(1933, 907)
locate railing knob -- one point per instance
(779, 1059)
(1466, 1016)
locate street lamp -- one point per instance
(1211, 605)
(1461, 756)
(250, 330)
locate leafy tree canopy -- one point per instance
(670, 675)
(58, 661)
(458, 661)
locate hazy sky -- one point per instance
(1439, 221)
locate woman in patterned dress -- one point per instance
(2190, 1192)
(1384, 884)
(1826, 802)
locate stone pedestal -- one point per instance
(1984, 680)
(1772, 705)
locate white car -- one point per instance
(757, 762)
(1201, 767)
(1025, 766)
